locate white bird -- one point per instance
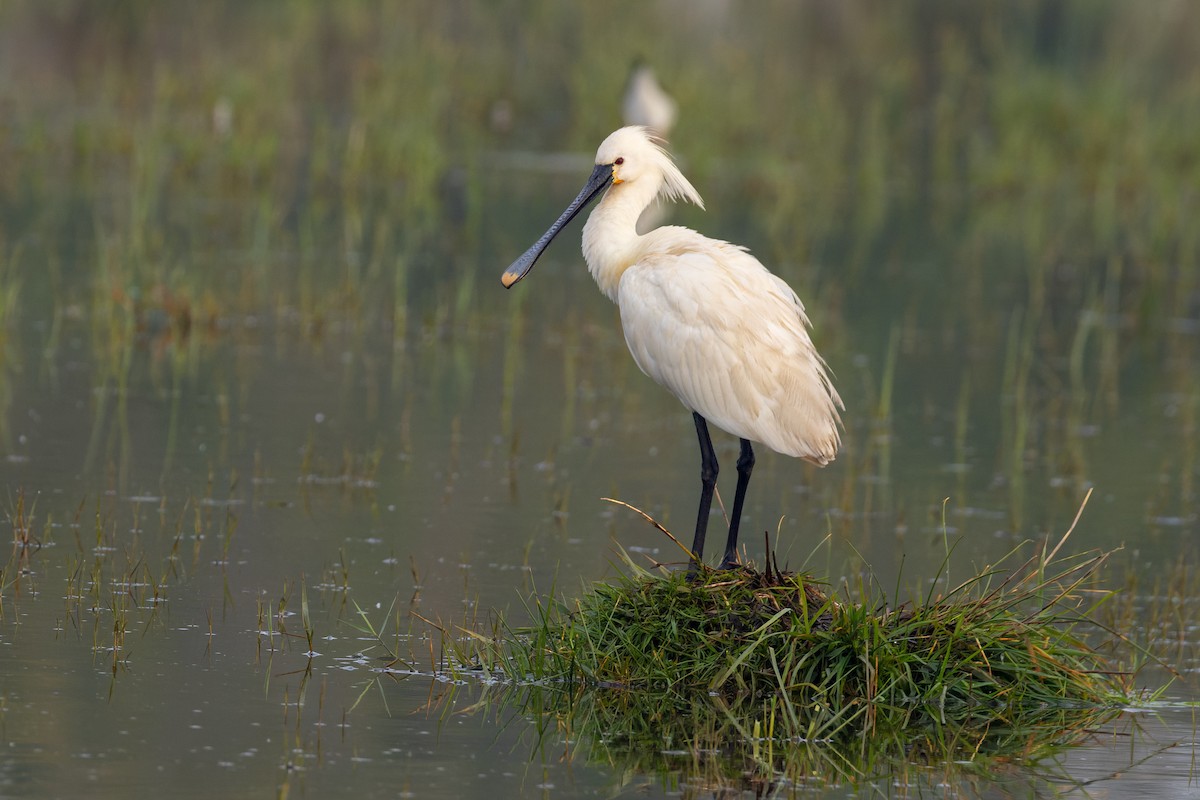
(703, 318)
(645, 101)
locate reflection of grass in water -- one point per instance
(123, 562)
(1161, 608)
(740, 743)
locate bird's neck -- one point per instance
(610, 237)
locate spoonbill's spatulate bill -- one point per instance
(704, 319)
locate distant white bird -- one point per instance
(646, 103)
(704, 319)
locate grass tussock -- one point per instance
(1002, 646)
(759, 680)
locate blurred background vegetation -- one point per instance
(1057, 139)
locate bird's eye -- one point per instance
(620, 161)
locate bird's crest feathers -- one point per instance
(642, 149)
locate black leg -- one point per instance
(708, 481)
(745, 465)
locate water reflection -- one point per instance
(707, 747)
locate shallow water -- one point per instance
(275, 493)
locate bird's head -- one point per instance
(629, 157)
(637, 155)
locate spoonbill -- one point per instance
(703, 318)
(645, 101)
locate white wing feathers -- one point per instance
(708, 322)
